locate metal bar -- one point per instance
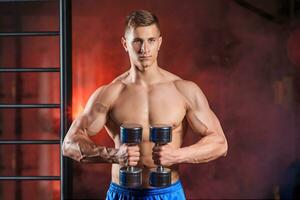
(29, 106)
(29, 141)
(51, 69)
(18, 94)
(41, 178)
(65, 24)
(42, 33)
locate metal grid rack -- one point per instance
(65, 70)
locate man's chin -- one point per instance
(144, 66)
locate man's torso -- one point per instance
(160, 103)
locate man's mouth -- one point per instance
(144, 57)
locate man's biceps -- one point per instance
(208, 118)
(216, 125)
(101, 107)
(97, 124)
(196, 122)
(202, 116)
(79, 122)
(214, 119)
(95, 109)
(95, 112)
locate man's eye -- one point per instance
(152, 40)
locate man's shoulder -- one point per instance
(109, 91)
(179, 82)
(186, 85)
(169, 76)
(190, 91)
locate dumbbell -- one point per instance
(130, 176)
(160, 135)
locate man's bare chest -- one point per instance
(158, 105)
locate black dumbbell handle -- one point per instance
(159, 168)
(130, 168)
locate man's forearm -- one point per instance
(100, 154)
(82, 149)
(208, 148)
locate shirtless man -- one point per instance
(147, 95)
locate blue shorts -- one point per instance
(173, 192)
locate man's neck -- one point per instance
(150, 75)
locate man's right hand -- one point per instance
(128, 155)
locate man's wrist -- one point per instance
(112, 156)
(179, 156)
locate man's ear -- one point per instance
(159, 41)
(123, 41)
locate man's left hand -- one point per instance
(164, 155)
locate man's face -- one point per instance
(142, 44)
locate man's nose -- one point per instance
(145, 47)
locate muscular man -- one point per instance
(147, 95)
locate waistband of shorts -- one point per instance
(144, 191)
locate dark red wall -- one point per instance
(238, 59)
(247, 66)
